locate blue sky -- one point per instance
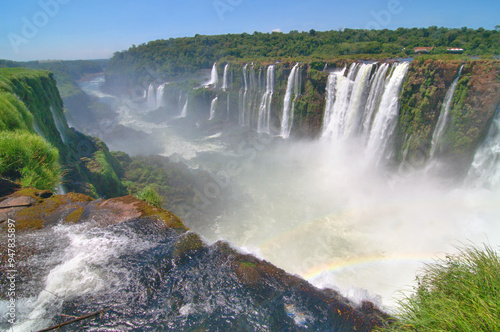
(92, 29)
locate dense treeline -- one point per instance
(186, 55)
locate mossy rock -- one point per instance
(48, 210)
(187, 245)
(75, 216)
(247, 272)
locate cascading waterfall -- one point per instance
(214, 78)
(373, 101)
(38, 130)
(360, 91)
(184, 109)
(243, 97)
(159, 95)
(213, 105)
(345, 101)
(250, 98)
(385, 121)
(443, 115)
(265, 105)
(151, 100)
(292, 88)
(362, 103)
(59, 126)
(224, 78)
(485, 168)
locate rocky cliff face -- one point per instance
(475, 100)
(174, 282)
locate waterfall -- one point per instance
(373, 101)
(243, 97)
(151, 100)
(213, 105)
(37, 129)
(214, 78)
(291, 89)
(159, 95)
(443, 115)
(363, 102)
(385, 121)
(224, 79)
(339, 89)
(250, 98)
(485, 168)
(184, 109)
(59, 125)
(265, 104)
(345, 101)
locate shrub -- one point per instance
(150, 195)
(28, 157)
(458, 293)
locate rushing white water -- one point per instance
(160, 94)
(291, 93)
(385, 121)
(151, 99)
(85, 266)
(345, 101)
(373, 101)
(243, 97)
(264, 116)
(364, 103)
(213, 106)
(485, 169)
(443, 115)
(214, 78)
(224, 78)
(59, 125)
(184, 109)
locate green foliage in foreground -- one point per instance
(28, 157)
(458, 293)
(150, 195)
(13, 113)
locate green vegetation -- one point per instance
(150, 195)
(24, 156)
(180, 56)
(29, 101)
(13, 113)
(459, 293)
(30, 158)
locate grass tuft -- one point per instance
(29, 158)
(150, 195)
(458, 293)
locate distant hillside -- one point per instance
(181, 56)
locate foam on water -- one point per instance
(86, 266)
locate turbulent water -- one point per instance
(325, 209)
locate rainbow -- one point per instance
(361, 262)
